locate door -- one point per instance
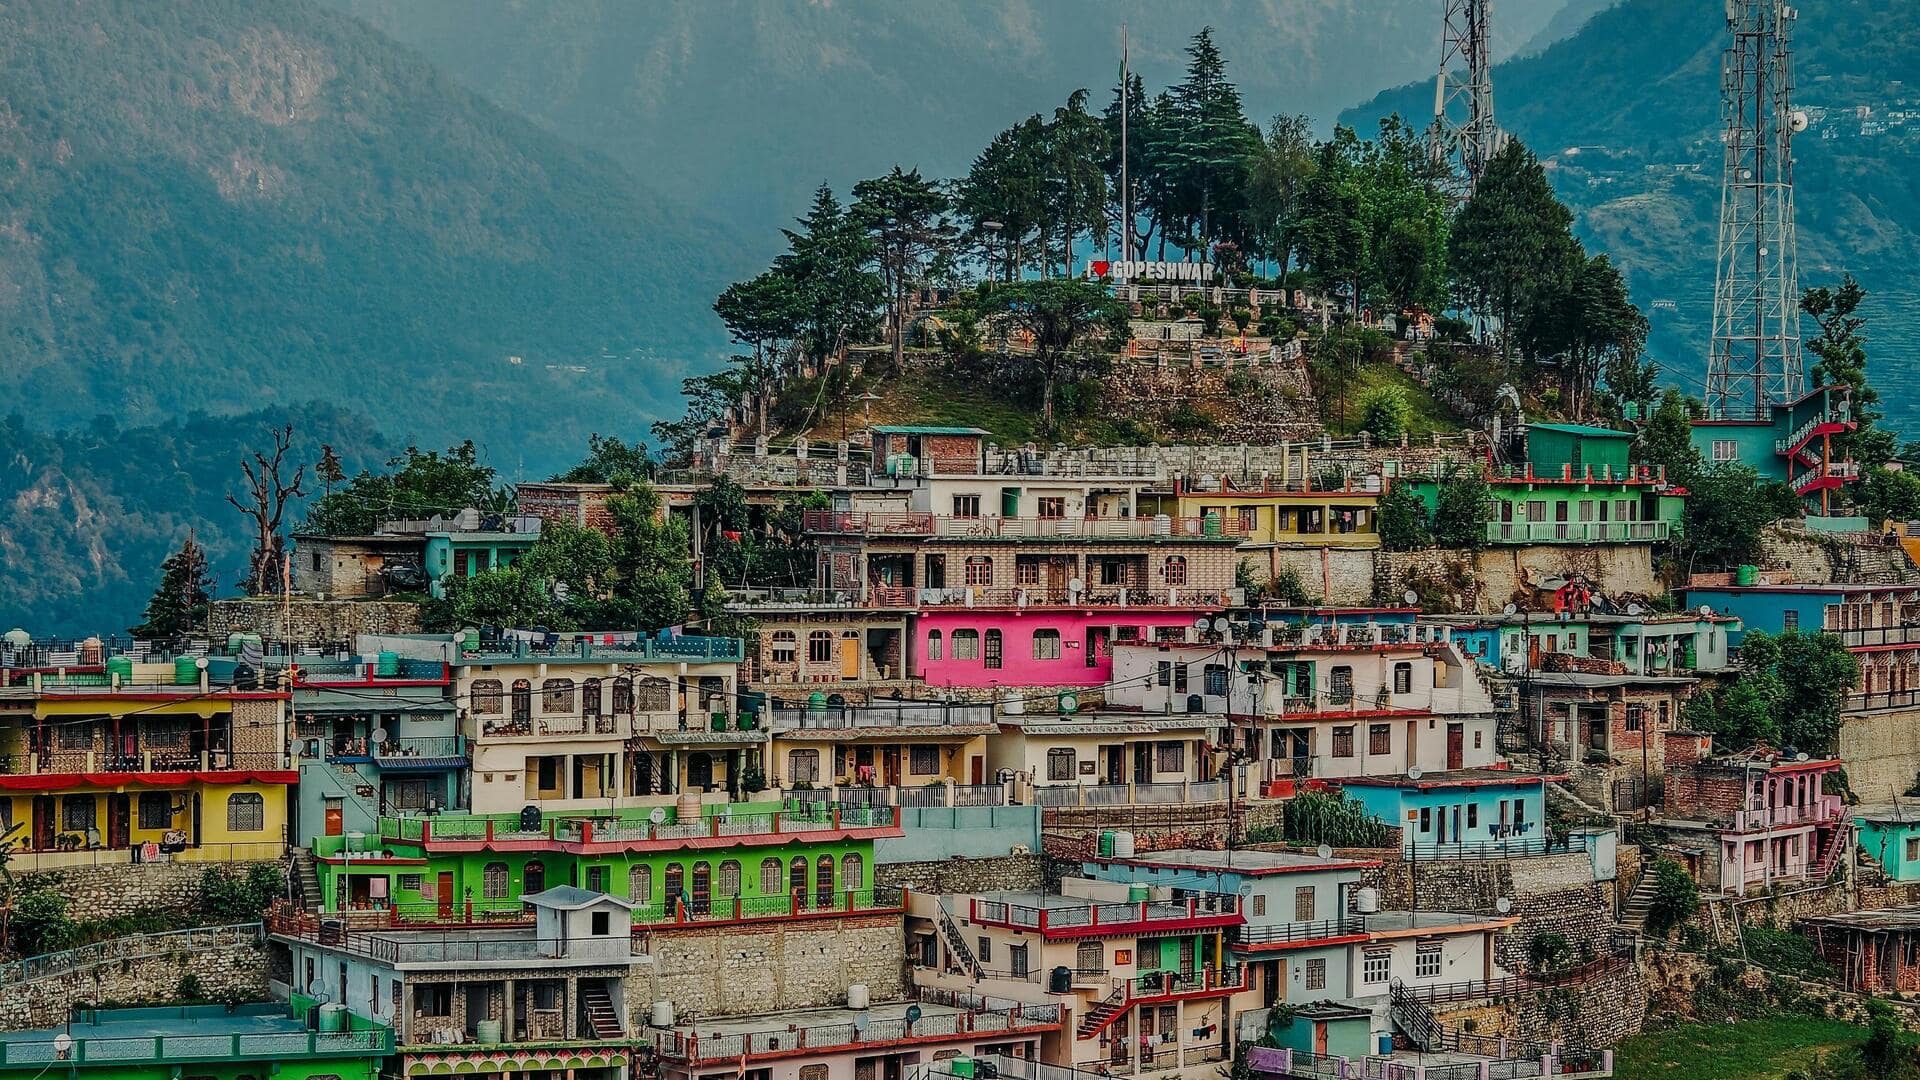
(977, 769)
(699, 772)
(1142, 763)
(850, 655)
(444, 890)
(890, 765)
(1456, 746)
(1320, 1037)
(43, 822)
(1116, 764)
(336, 823)
(118, 820)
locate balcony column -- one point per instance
(573, 1007)
(506, 1013)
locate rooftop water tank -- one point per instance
(486, 1032)
(1123, 845)
(1367, 901)
(186, 670)
(387, 664)
(661, 1015)
(121, 666)
(857, 997)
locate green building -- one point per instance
(1575, 485)
(206, 1042)
(469, 554)
(1793, 443)
(1890, 836)
(735, 861)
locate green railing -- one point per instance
(106, 1050)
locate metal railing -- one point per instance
(1576, 532)
(880, 714)
(692, 1048)
(1878, 635)
(1207, 908)
(637, 824)
(122, 949)
(163, 759)
(1281, 933)
(606, 647)
(986, 527)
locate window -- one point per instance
(602, 924)
(993, 647)
(819, 646)
(966, 506)
(1789, 620)
(1473, 815)
(1213, 680)
(246, 812)
(727, 885)
(597, 878)
(76, 736)
(1725, 450)
(556, 696)
(1636, 716)
(590, 698)
(823, 880)
(1913, 848)
(405, 794)
(770, 883)
(966, 644)
(656, 695)
(985, 951)
(813, 1072)
(1179, 678)
(1379, 738)
(1426, 960)
(1176, 570)
(1317, 974)
(673, 884)
(485, 695)
(1017, 960)
(1340, 685)
(1303, 896)
(1403, 678)
(1376, 966)
(493, 882)
(522, 699)
(979, 570)
(933, 644)
(156, 810)
(1061, 763)
(853, 873)
(1053, 506)
(797, 876)
(1259, 903)
(803, 766)
(433, 999)
(76, 813)
(1170, 756)
(1046, 644)
(1537, 510)
(1343, 741)
(1089, 958)
(1165, 675)
(923, 761)
(785, 647)
(640, 884)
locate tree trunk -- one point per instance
(900, 319)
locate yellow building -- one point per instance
(145, 762)
(883, 743)
(1281, 515)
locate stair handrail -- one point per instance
(1414, 1018)
(955, 943)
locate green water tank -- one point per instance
(816, 700)
(186, 670)
(1748, 574)
(387, 664)
(1137, 893)
(121, 666)
(1106, 845)
(1210, 523)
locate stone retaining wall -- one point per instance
(226, 973)
(311, 622)
(1019, 873)
(103, 892)
(804, 964)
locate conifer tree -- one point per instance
(180, 603)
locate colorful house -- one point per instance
(141, 762)
(1111, 749)
(1793, 443)
(469, 554)
(219, 1042)
(1683, 643)
(1762, 816)
(1460, 811)
(885, 743)
(1890, 836)
(1313, 513)
(1520, 642)
(1879, 624)
(1575, 486)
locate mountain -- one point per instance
(746, 106)
(224, 205)
(1626, 113)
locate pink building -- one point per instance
(1769, 817)
(982, 647)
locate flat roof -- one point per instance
(1450, 778)
(1596, 681)
(927, 429)
(1241, 861)
(1797, 588)
(1900, 918)
(782, 1020)
(1397, 923)
(1889, 813)
(146, 1036)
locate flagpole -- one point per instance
(1126, 189)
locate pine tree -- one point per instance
(1511, 237)
(902, 212)
(827, 262)
(180, 603)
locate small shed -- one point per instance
(576, 923)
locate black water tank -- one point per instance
(1062, 980)
(529, 818)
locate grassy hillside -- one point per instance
(225, 204)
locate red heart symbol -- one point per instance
(1099, 267)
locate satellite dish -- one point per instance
(1635, 610)
(657, 815)
(200, 662)
(1202, 623)
(1069, 703)
(1221, 624)
(1076, 585)
(913, 1014)
(379, 735)
(861, 1021)
(1706, 611)
(1503, 905)
(1511, 611)
(1415, 773)
(1799, 121)
(1324, 851)
(1410, 597)
(1801, 756)
(62, 1043)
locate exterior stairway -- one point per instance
(603, 1022)
(305, 881)
(956, 945)
(1633, 913)
(1103, 1013)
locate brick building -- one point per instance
(1760, 816)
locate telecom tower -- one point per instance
(1756, 292)
(1465, 84)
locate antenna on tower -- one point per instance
(1755, 362)
(1465, 85)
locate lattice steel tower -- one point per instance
(1756, 292)
(1465, 86)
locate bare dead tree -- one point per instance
(266, 503)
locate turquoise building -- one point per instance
(1890, 836)
(1574, 485)
(1793, 443)
(1458, 811)
(205, 1042)
(468, 554)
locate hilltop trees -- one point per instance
(266, 498)
(423, 483)
(827, 262)
(180, 603)
(1070, 323)
(901, 212)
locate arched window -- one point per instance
(813, 1072)
(702, 889)
(797, 879)
(933, 644)
(533, 878)
(770, 878)
(590, 698)
(623, 696)
(656, 695)
(522, 699)
(786, 646)
(674, 883)
(1176, 570)
(1089, 958)
(246, 812)
(852, 872)
(556, 696)
(819, 646)
(991, 652)
(1062, 763)
(966, 644)
(728, 887)
(979, 570)
(823, 881)
(493, 881)
(485, 697)
(640, 884)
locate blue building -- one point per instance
(1459, 811)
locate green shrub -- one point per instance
(1675, 897)
(1318, 817)
(230, 897)
(40, 923)
(1386, 413)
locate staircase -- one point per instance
(305, 881)
(956, 945)
(1633, 913)
(1104, 1012)
(1837, 847)
(602, 1021)
(1414, 1019)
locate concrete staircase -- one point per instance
(956, 945)
(1103, 1013)
(305, 881)
(1633, 913)
(603, 1021)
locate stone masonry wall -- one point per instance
(228, 973)
(730, 970)
(1486, 583)
(1882, 752)
(1334, 576)
(102, 892)
(1595, 1012)
(311, 622)
(1013, 872)
(1073, 832)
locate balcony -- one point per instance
(323, 672)
(1576, 532)
(881, 716)
(605, 648)
(827, 1031)
(1101, 596)
(915, 524)
(120, 1041)
(1605, 474)
(1872, 636)
(1824, 810)
(167, 760)
(635, 826)
(1278, 936)
(1068, 917)
(1168, 985)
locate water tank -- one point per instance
(1123, 845)
(1372, 482)
(486, 1032)
(1386, 1044)
(387, 664)
(1106, 845)
(1013, 705)
(186, 671)
(1162, 525)
(1748, 574)
(333, 1017)
(1060, 981)
(469, 640)
(1138, 893)
(661, 1016)
(1210, 523)
(121, 666)
(816, 701)
(857, 997)
(1367, 901)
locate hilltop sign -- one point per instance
(1136, 269)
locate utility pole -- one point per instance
(1126, 190)
(1755, 363)
(1465, 84)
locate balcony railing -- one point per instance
(1293, 932)
(1879, 635)
(607, 648)
(692, 1048)
(1576, 532)
(1155, 985)
(420, 751)
(881, 714)
(1092, 596)
(189, 1048)
(1211, 909)
(636, 825)
(56, 762)
(911, 523)
(1825, 810)
(1883, 699)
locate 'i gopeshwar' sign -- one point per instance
(1138, 269)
